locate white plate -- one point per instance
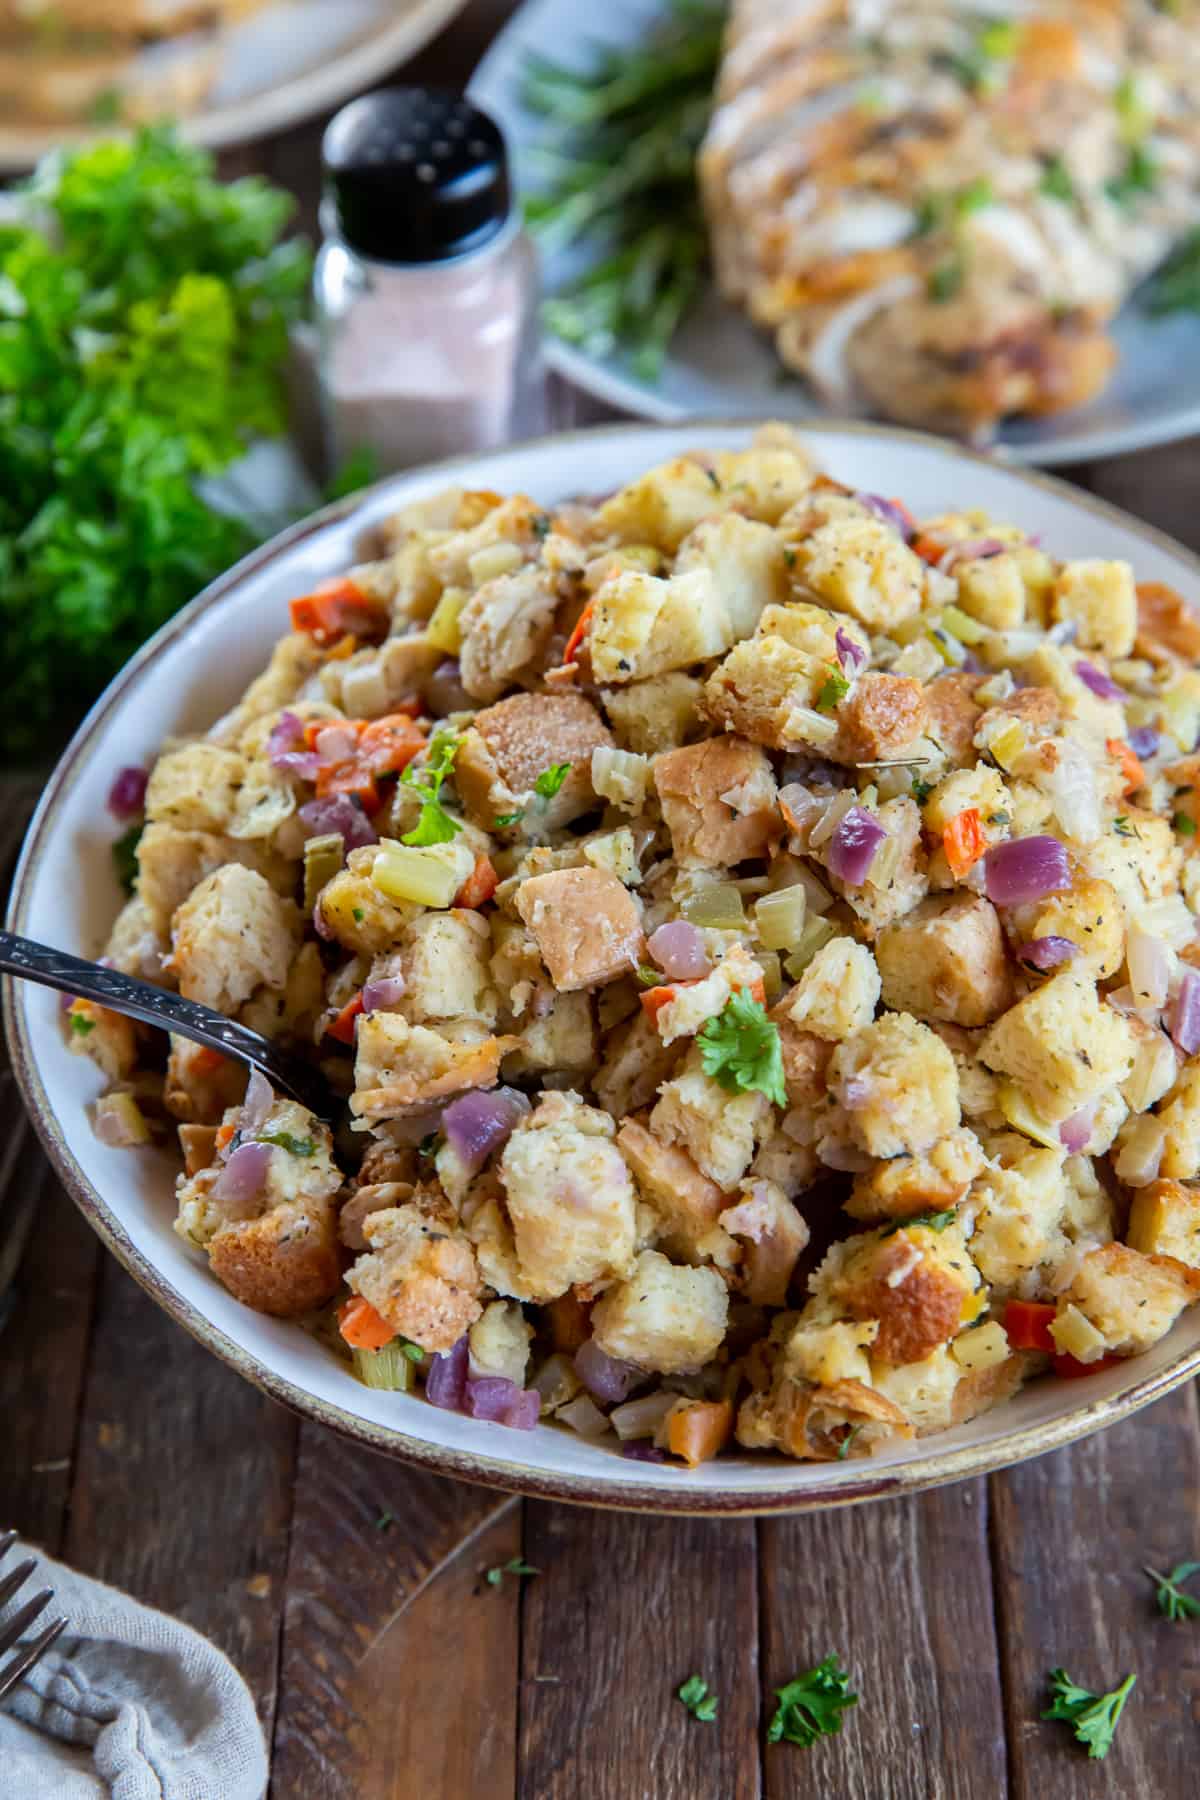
(279, 66)
(184, 678)
(719, 367)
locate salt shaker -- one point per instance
(425, 285)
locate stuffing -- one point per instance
(369, 1197)
(499, 1342)
(569, 1197)
(658, 714)
(108, 1038)
(899, 1187)
(718, 801)
(587, 926)
(201, 1083)
(685, 1203)
(1141, 861)
(232, 935)
(1091, 914)
(774, 687)
(917, 1282)
(420, 1274)
(1166, 623)
(173, 863)
(717, 1129)
(953, 715)
(195, 788)
(945, 961)
(980, 788)
(1129, 1300)
(355, 913)
(805, 1057)
(634, 1062)
(1020, 1204)
(1099, 598)
(399, 1065)
(664, 1316)
(773, 1235)
(512, 524)
(837, 994)
(135, 947)
(445, 964)
(510, 744)
(1061, 1045)
(897, 1085)
(668, 502)
(1164, 1220)
(882, 719)
(923, 1388)
(504, 626)
(747, 559)
(817, 1423)
(862, 567)
(644, 625)
(898, 877)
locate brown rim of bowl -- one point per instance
(861, 1482)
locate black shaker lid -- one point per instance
(416, 175)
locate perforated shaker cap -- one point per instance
(416, 175)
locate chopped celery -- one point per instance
(816, 934)
(961, 626)
(442, 630)
(323, 857)
(768, 961)
(780, 917)
(717, 907)
(429, 877)
(386, 1368)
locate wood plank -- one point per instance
(900, 1591)
(1071, 1533)
(1156, 485)
(182, 1490)
(626, 1608)
(399, 1661)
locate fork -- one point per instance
(28, 1654)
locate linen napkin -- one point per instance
(128, 1704)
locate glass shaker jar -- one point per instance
(425, 285)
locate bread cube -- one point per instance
(1164, 1220)
(902, 1186)
(570, 1197)
(445, 964)
(945, 961)
(499, 1341)
(398, 1065)
(1166, 622)
(898, 1086)
(171, 863)
(232, 935)
(717, 1129)
(1129, 1299)
(516, 520)
(1061, 1045)
(992, 590)
(562, 1038)
(657, 714)
(719, 802)
(587, 926)
(664, 1317)
(108, 1038)
(200, 1084)
(1021, 1204)
(661, 506)
(505, 626)
(773, 1235)
(766, 689)
(1140, 862)
(684, 1202)
(1179, 1117)
(354, 911)
(634, 1061)
(643, 625)
(881, 719)
(745, 557)
(838, 992)
(979, 787)
(917, 1282)
(195, 787)
(899, 876)
(862, 567)
(1101, 600)
(520, 738)
(1091, 913)
(420, 1274)
(805, 1057)
(136, 946)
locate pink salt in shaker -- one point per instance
(425, 285)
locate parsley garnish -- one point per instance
(1093, 1717)
(1172, 1602)
(512, 818)
(844, 1446)
(295, 1146)
(540, 525)
(81, 1025)
(812, 1706)
(974, 197)
(124, 855)
(699, 1699)
(1183, 824)
(1056, 180)
(551, 779)
(435, 825)
(921, 790)
(1139, 176)
(945, 280)
(650, 978)
(933, 1221)
(414, 1352)
(740, 1048)
(514, 1566)
(357, 914)
(712, 476)
(833, 691)
(1122, 827)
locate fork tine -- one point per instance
(7, 1540)
(15, 1579)
(32, 1653)
(20, 1622)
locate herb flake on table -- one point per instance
(1092, 1717)
(1173, 1603)
(812, 1705)
(740, 1048)
(699, 1699)
(514, 1566)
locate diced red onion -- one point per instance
(1144, 742)
(1025, 869)
(446, 1382)
(257, 1102)
(335, 743)
(477, 1123)
(1101, 684)
(340, 813)
(678, 949)
(1185, 1014)
(850, 654)
(415, 1124)
(285, 748)
(502, 1402)
(383, 995)
(889, 512)
(602, 1375)
(1046, 953)
(853, 846)
(244, 1174)
(1075, 1131)
(127, 795)
(970, 550)
(643, 1450)
(525, 1410)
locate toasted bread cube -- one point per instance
(1131, 1300)
(945, 961)
(817, 1423)
(898, 1085)
(718, 800)
(643, 625)
(980, 788)
(902, 1186)
(862, 567)
(500, 1340)
(570, 1198)
(563, 1038)
(445, 964)
(953, 715)
(685, 1203)
(232, 935)
(774, 1233)
(1179, 1117)
(765, 689)
(881, 719)
(398, 1065)
(1022, 1203)
(201, 1084)
(828, 1351)
(1141, 863)
(661, 506)
(505, 626)
(1091, 914)
(1061, 1045)
(658, 714)
(587, 926)
(634, 1061)
(663, 1317)
(522, 737)
(838, 992)
(992, 590)
(354, 911)
(917, 1282)
(171, 863)
(195, 787)
(899, 876)
(107, 1037)
(420, 1274)
(136, 946)
(1100, 598)
(1166, 622)
(1164, 1220)
(516, 521)
(746, 557)
(717, 1129)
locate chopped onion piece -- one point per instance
(1185, 1014)
(889, 511)
(1046, 953)
(478, 1123)
(1140, 1157)
(643, 1450)
(1102, 685)
(970, 550)
(1149, 963)
(244, 1175)
(584, 1416)
(1144, 742)
(641, 1418)
(851, 654)
(257, 1101)
(336, 742)
(853, 846)
(1025, 869)
(1075, 1131)
(679, 950)
(341, 814)
(118, 1122)
(603, 1375)
(446, 1382)
(383, 995)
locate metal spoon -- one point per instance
(170, 1012)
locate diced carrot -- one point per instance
(206, 1060)
(388, 745)
(225, 1135)
(1027, 1325)
(928, 548)
(1048, 50)
(1131, 768)
(569, 1323)
(699, 1429)
(963, 840)
(577, 636)
(335, 608)
(654, 999)
(342, 1028)
(480, 884)
(352, 778)
(362, 1326)
(1071, 1369)
(411, 706)
(758, 990)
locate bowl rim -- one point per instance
(861, 1482)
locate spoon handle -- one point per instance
(152, 1005)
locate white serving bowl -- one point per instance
(65, 894)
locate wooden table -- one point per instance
(350, 1590)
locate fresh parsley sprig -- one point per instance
(699, 1699)
(551, 779)
(286, 1140)
(812, 1705)
(435, 825)
(1092, 1717)
(740, 1049)
(1173, 1603)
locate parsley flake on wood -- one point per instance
(699, 1699)
(514, 1566)
(551, 779)
(435, 825)
(385, 1521)
(812, 1706)
(1092, 1717)
(1173, 1603)
(740, 1049)
(295, 1146)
